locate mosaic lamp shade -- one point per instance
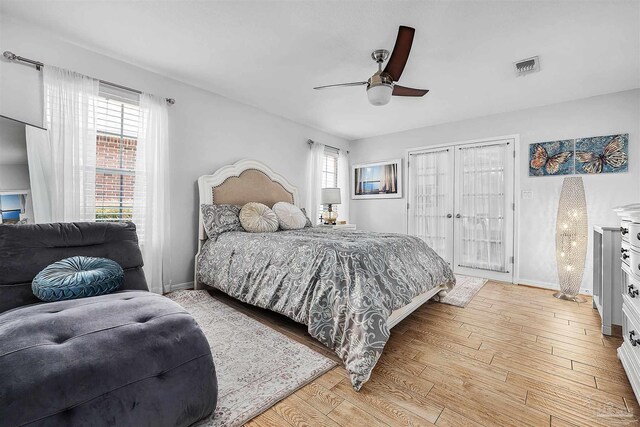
(571, 238)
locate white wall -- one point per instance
(14, 177)
(601, 115)
(207, 131)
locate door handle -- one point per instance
(449, 216)
(458, 216)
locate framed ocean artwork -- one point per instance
(381, 180)
(602, 154)
(552, 158)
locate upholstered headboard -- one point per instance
(243, 182)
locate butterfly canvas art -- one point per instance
(551, 158)
(602, 154)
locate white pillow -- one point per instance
(258, 218)
(290, 217)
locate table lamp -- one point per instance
(330, 196)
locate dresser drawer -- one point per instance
(631, 330)
(625, 230)
(625, 253)
(634, 235)
(633, 261)
(629, 351)
(630, 289)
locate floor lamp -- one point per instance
(571, 238)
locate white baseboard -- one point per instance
(546, 285)
(179, 286)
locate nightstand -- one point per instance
(349, 227)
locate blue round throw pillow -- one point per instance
(77, 277)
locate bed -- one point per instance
(349, 287)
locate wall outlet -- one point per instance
(527, 194)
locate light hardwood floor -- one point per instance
(514, 356)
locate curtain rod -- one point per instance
(311, 142)
(13, 57)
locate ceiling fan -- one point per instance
(382, 85)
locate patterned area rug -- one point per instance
(256, 365)
(463, 292)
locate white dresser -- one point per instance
(629, 351)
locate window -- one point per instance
(117, 123)
(329, 173)
(330, 169)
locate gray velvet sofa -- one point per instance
(130, 358)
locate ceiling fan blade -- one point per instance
(400, 53)
(341, 85)
(408, 91)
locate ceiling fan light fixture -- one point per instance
(382, 85)
(380, 94)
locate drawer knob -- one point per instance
(624, 231)
(634, 342)
(632, 291)
(625, 256)
(638, 236)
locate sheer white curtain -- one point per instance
(62, 163)
(150, 204)
(431, 200)
(483, 228)
(343, 183)
(314, 181)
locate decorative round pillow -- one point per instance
(258, 218)
(290, 217)
(77, 277)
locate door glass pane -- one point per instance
(431, 199)
(482, 207)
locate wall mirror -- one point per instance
(15, 187)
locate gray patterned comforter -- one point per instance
(342, 284)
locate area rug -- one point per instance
(463, 292)
(256, 365)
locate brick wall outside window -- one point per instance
(115, 179)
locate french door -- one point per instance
(461, 204)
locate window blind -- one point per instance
(117, 128)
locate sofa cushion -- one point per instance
(77, 277)
(26, 249)
(129, 358)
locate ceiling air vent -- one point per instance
(527, 66)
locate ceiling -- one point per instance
(270, 54)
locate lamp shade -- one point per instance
(330, 196)
(379, 94)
